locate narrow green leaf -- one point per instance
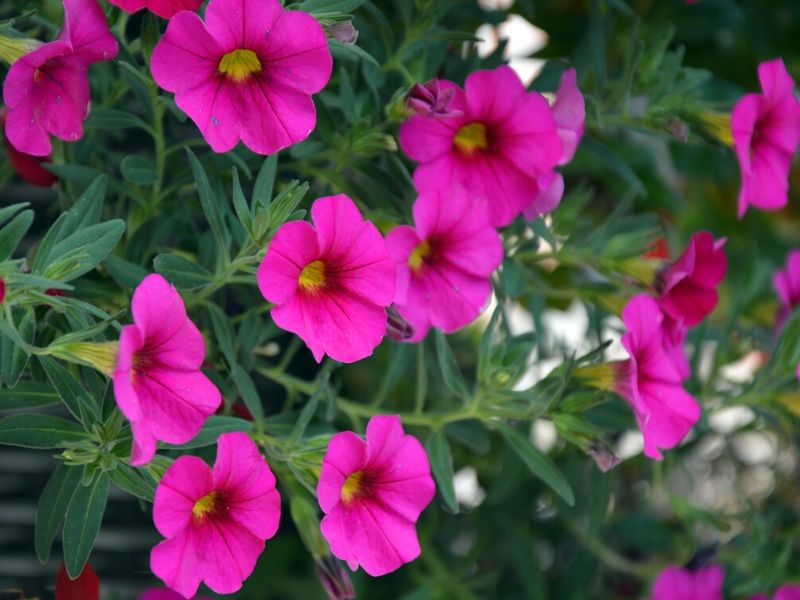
(13, 358)
(451, 374)
(213, 428)
(442, 466)
(38, 431)
(79, 402)
(350, 52)
(9, 211)
(249, 394)
(265, 182)
(181, 271)
(109, 118)
(82, 523)
(83, 250)
(240, 204)
(208, 201)
(125, 273)
(13, 232)
(53, 503)
(485, 346)
(28, 394)
(328, 8)
(538, 463)
(129, 480)
(87, 209)
(223, 330)
(138, 170)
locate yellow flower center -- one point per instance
(312, 277)
(352, 486)
(239, 64)
(205, 505)
(471, 137)
(418, 255)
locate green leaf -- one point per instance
(223, 331)
(350, 52)
(442, 466)
(265, 182)
(28, 394)
(82, 523)
(329, 8)
(83, 250)
(213, 428)
(286, 202)
(129, 480)
(78, 400)
(181, 271)
(125, 273)
(13, 358)
(87, 209)
(451, 374)
(208, 201)
(249, 394)
(109, 118)
(53, 503)
(538, 463)
(240, 204)
(39, 431)
(13, 232)
(138, 170)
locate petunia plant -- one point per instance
(356, 298)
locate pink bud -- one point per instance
(430, 100)
(334, 579)
(397, 327)
(343, 32)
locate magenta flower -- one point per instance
(503, 142)
(444, 264)
(163, 8)
(430, 100)
(687, 287)
(569, 110)
(158, 384)
(674, 583)
(166, 594)
(372, 494)
(766, 131)
(787, 284)
(331, 281)
(215, 520)
(47, 89)
(650, 380)
(786, 592)
(247, 73)
(551, 190)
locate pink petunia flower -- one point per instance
(331, 281)
(247, 73)
(650, 380)
(47, 89)
(158, 384)
(674, 583)
(444, 264)
(787, 284)
(687, 287)
(569, 110)
(503, 142)
(215, 520)
(372, 494)
(766, 132)
(163, 8)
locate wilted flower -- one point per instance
(215, 520)
(245, 73)
(158, 384)
(27, 166)
(331, 281)
(85, 586)
(766, 131)
(372, 493)
(444, 263)
(505, 140)
(47, 90)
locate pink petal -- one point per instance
(493, 94)
(775, 79)
(86, 29)
(130, 341)
(551, 186)
(671, 413)
(296, 53)
(569, 111)
(241, 23)
(176, 561)
(400, 243)
(228, 553)
(292, 248)
(788, 592)
(345, 455)
(186, 481)
(425, 139)
(528, 138)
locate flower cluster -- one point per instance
(704, 583)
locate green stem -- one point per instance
(422, 380)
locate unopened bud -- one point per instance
(334, 578)
(343, 32)
(13, 48)
(603, 457)
(397, 327)
(430, 100)
(98, 355)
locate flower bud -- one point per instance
(397, 327)
(603, 457)
(430, 100)
(334, 578)
(12, 48)
(98, 355)
(343, 32)
(2, 290)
